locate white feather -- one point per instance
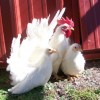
(14, 51)
(56, 17)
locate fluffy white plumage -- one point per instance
(40, 72)
(26, 56)
(73, 62)
(19, 59)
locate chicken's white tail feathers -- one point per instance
(61, 13)
(15, 44)
(48, 17)
(38, 30)
(14, 50)
(53, 22)
(58, 15)
(41, 29)
(50, 27)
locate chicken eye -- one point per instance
(49, 49)
(64, 27)
(75, 47)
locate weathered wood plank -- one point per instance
(87, 24)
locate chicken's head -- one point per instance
(66, 25)
(50, 50)
(76, 47)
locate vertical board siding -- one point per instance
(68, 5)
(88, 22)
(30, 10)
(2, 41)
(23, 9)
(68, 12)
(73, 12)
(16, 17)
(59, 4)
(44, 7)
(7, 25)
(19, 10)
(38, 10)
(96, 9)
(53, 6)
(83, 24)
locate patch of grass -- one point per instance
(35, 94)
(3, 95)
(97, 91)
(85, 94)
(50, 93)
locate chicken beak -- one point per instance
(52, 51)
(72, 28)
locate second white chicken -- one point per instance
(73, 62)
(60, 43)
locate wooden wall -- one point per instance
(15, 14)
(90, 27)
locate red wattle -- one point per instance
(68, 33)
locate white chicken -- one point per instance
(73, 63)
(27, 57)
(41, 71)
(60, 43)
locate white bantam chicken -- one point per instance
(40, 72)
(29, 57)
(73, 63)
(60, 42)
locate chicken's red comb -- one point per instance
(65, 21)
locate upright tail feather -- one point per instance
(14, 50)
(41, 29)
(58, 15)
(15, 44)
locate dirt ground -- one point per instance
(90, 78)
